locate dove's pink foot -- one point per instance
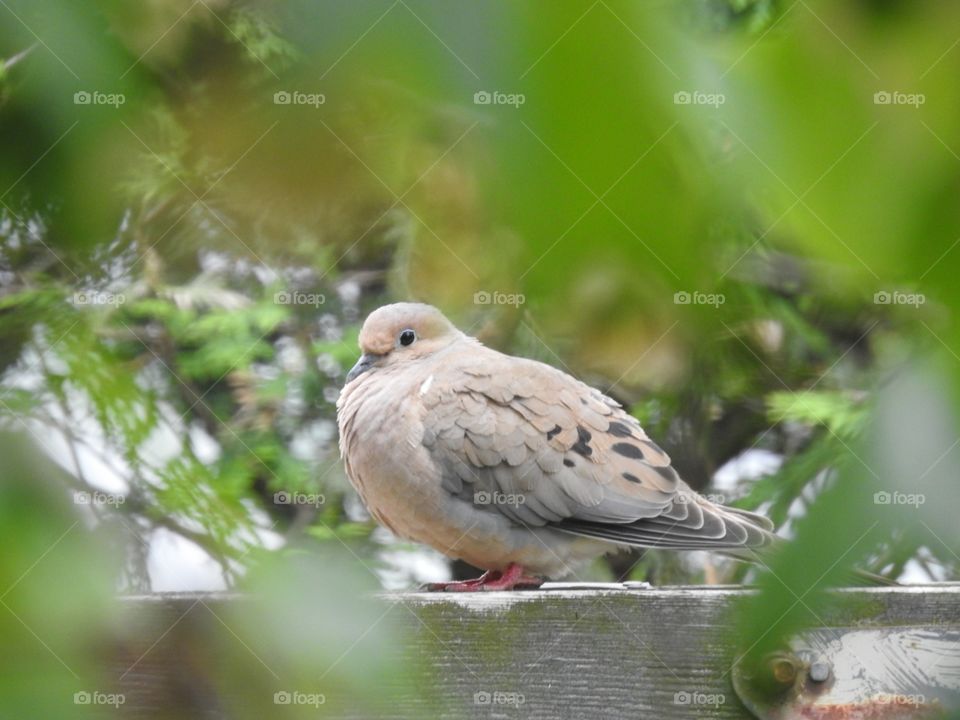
(511, 578)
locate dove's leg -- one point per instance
(460, 585)
(512, 577)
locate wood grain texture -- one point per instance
(557, 653)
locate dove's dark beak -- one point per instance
(366, 362)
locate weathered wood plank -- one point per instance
(600, 652)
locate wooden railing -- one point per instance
(563, 652)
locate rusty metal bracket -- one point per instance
(879, 673)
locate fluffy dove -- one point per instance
(508, 463)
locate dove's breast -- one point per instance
(379, 429)
(381, 440)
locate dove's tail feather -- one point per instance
(690, 523)
(736, 533)
(756, 518)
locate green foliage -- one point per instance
(183, 274)
(259, 39)
(841, 412)
(46, 549)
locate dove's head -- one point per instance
(399, 333)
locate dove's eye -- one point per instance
(407, 337)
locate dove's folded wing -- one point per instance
(526, 440)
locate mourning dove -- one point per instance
(508, 463)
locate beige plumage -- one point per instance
(508, 463)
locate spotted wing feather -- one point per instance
(522, 438)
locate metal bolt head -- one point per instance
(784, 670)
(820, 671)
